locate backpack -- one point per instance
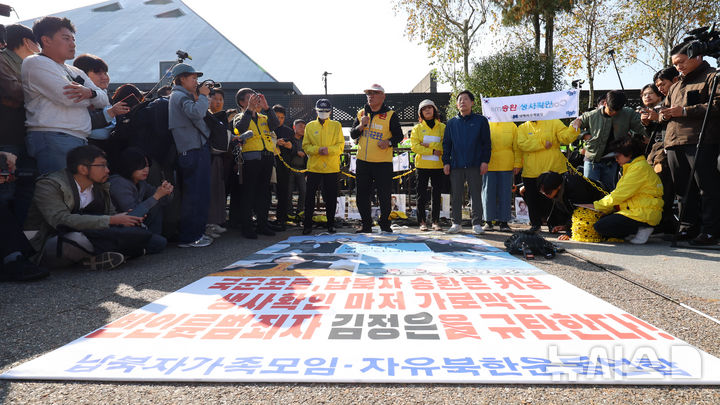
(530, 244)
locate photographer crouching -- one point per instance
(186, 112)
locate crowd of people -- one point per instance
(102, 178)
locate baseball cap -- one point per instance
(299, 121)
(374, 87)
(181, 68)
(323, 104)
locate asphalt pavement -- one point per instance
(647, 281)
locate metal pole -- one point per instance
(612, 55)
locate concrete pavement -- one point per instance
(39, 317)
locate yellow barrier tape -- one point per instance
(341, 172)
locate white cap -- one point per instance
(374, 87)
(426, 103)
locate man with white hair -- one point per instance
(376, 131)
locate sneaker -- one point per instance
(704, 239)
(211, 234)
(436, 227)
(364, 229)
(217, 228)
(642, 235)
(504, 227)
(478, 229)
(534, 229)
(423, 227)
(21, 270)
(488, 226)
(455, 228)
(104, 261)
(202, 242)
(386, 228)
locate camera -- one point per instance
(704, 41)
(182, 55)
(211, 84)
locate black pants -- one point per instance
(703, 204)
(437, 177)
(617, 226)
(281, 190)
(538, 205)
(329, 182)
(12, 238)
(371, 175)
(680, 160)
(256, 183)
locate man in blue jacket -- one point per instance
(466, 153)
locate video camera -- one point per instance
(704, 41)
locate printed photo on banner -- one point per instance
(522, 215)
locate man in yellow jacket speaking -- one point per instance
(323, 144)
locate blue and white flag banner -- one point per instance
(532, 107)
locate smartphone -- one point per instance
(139, 211)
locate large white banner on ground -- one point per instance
(532, 107)
(381, 308)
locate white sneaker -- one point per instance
(478, 229)
(488, 226)
(217, 228)
(642, 235)
(423, 227)
(455, 228)
(202, 242)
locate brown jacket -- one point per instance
(692, 92)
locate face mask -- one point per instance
(323, 114)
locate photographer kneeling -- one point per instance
(76, 219)
(635, 205)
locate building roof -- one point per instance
(133, 36)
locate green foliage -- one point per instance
(509, 73)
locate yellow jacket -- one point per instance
(505, 154)
(422, 133)
(318, 135)
(262, 138)
(638, 193)
(531, 139)
(378, 129)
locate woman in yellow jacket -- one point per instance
(635, 206)
(426, 141)
(323, 144)
(505, 162)
(540, 143)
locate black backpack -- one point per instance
(530, 244)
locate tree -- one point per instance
(659, 25)
(512, 72)
(515, 12)
(591, 29)
(447, 27)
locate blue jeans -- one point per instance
(603, 172)
(194, 167)
(50, 149)
(18, 194)
(496, 196)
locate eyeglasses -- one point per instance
(373, 93)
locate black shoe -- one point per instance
(265, 231)
(249, 235)
(307, 231)
(386, 228)
(704, 239)
(534, 229)
(277, 227)
(331, 229)
(504, 227)
(23, 270)
(364, 229)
